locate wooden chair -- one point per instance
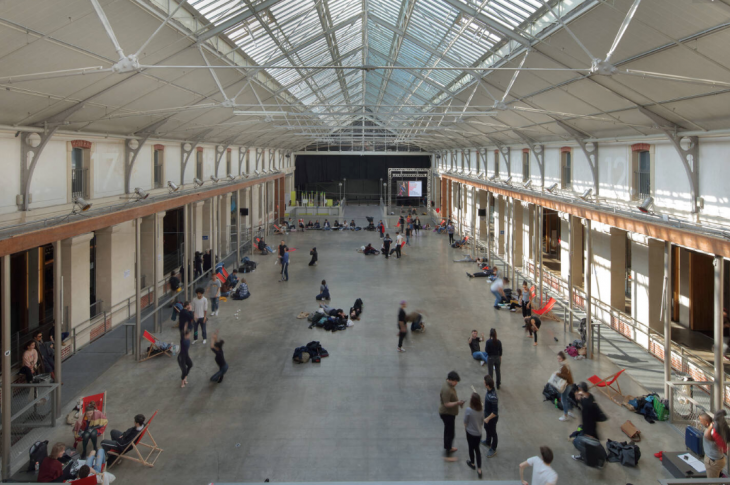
(135, 444)
(610, 382)
(153, 346)
(100, 401)
(545, 312)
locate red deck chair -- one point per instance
(545, 312)
(100, 401)
(153, 345)
(610, 382)
(134, 445)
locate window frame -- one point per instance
(158, 160)
(566, 162)
(525, 165)
(199, 169)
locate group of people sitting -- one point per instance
(325, 226)
(38, 358)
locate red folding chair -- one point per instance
(610, 382)
(153, 346)
(135, 444)
(545, 312)
(100, 401)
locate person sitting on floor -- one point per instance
(262, 247)
(119, 441)
(241, 292)
(459, 243)
(310, 225)
(301, 224)
(369, 249)
(88, 425)
(225, 290)
(337, 224)
(416, 319)
(233, 278)
(326, 225)
(324, 291)
(352, 225)
(103, 478)
(51, 469)
(516, 302)
(316, 225)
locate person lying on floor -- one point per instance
(333, 312)
(369, 249)
(466, 259)
(487, 273)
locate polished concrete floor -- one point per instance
(366, 412)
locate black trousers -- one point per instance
(185, 365)
(401, 336)
(473, 442)
(491, 429)
(451, 239)
(493, 364)
(526, 310)
(449, 431)
(386, 250)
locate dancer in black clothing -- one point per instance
(402, 328)
(386, 246)
(494, 351)
(313, 253)
(532, 325)
(183, 358)
(187, 319)
(217, 347)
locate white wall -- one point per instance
(172, 163)
(614, 169)
(714, 162)
(107, 159)
(9, 158)
(50, 178)
(671, 186)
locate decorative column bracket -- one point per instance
(272, 155)
(506, 154)
(590, 150)
(538, 151)
(31, 147)
(690, 157)
(186, 149)
(132, 147)
(242, 151)
(466, 156)
(220, 152)
(259, 155)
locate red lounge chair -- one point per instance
(545, 312)
(153, 345)
(100, 401)
(145, 460)
(610, 382)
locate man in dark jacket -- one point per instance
(491, 416)
(120, 440)
(386, 246)
(590, 414)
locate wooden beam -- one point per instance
(32, 239)
(681, 237)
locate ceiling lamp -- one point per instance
(172, 186)
(82, 204)
(646, 205)
(141, 194)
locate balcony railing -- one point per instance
(642, 185)
(79, 182)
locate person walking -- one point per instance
(532, 325)
(214, 292)
(473, 424)
(386, 246)
(200, 313)
(476, 351)
(217, 347)
(497, 290)
(565, 373)
(542, 472)
(491, 416)
(183, 358)
(450, 231)
(448, 411)
(402, 327)
(174, 286)
(494, 351)
(409, 229)
(313, 253)
(285, 265)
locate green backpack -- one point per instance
(661, 408)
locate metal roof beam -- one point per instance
(495, 26)
(242, 17)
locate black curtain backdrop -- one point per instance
(333, 168)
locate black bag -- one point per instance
(595, 454)
(550, 393)
(627, 453)
(38, 452)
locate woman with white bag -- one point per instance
(565, 380)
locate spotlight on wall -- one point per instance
(493, 178)
(141, 194)
(257, 173)
(172, 186)
(646, 205)
(231, 177)
(527, 184)
(198, 182)
(585, 195)
(509, 180)
(81, 205)
(552, 188)
(246, 175)
(214, 179)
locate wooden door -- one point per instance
(701, 291)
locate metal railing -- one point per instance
(79, 182)
(642, 184)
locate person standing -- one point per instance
(200, 313)
(386, 246)
(494, 351)
(183, 358)
(448, 411)
(207, 261)
(409, 229)
(476, 351)
(526, 302)
(285, 265)
(450, 231)
(281, 251)
(565, 373)
(398, 244)
(491, 416)
(542, 472)
(497, 290)
(174, 286)
(473, 424)
(186, 319)
(313, 253)
(714, 453)
(214, 292)
(217, 347)
(402, 327)
(198, 265)
(381, 228)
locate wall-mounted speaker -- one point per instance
(244, 211)
(482, 212)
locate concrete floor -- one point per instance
(366, 412)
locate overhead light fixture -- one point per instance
(509, 180)
(198, 182)
(82, 204)
(172, 186)
(552, 187)
(586, 194)
(527, 184)
(214, 179)
(231, 177)
(646, 205)
(141, 194)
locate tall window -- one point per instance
(566, 170)
(525, 166)
(496, 163)
(228, 163)
(642, 176)
(79, 174)
(199, 164)
(158, 168)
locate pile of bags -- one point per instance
(312, 351)
(651, 406)
(577, 349)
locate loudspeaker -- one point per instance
(243, 211)
(482, 212)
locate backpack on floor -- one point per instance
(38, 452)
(550, 393)
(595, 453)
